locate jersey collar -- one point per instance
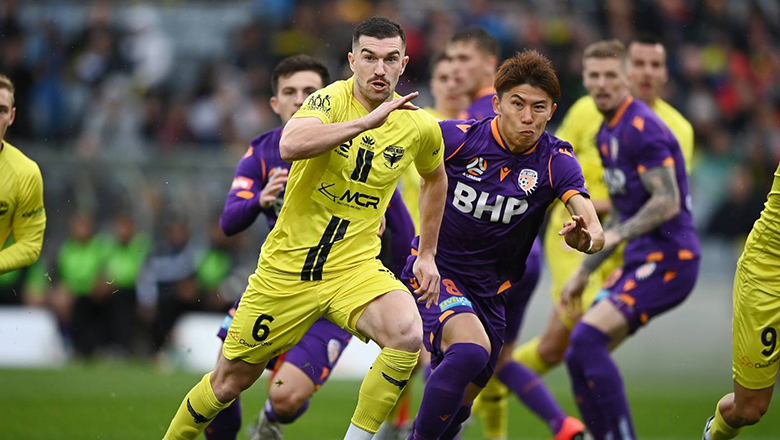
(500, 140)
(620, 111)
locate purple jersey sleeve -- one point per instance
(653, 143)
(454, 133)
(565, 173)
(243, 201)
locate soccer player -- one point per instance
(21, 195)
(448, 99)
(647, 74)
(503, 172)
(475, 55)
(349, 143)
(644, 171)
(756, 356)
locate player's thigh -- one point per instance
(562, 260)
(464, 328)
(756, 324)
(317, 353)
(371, 303)
(472, 391)
(291, 383)
(608, 319)
(273, 316)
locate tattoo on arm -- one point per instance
(664, 203)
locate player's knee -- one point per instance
(227, 388)
(552, 353)
(286, 404)
(752, 412)
(408, 333)
(468, 358)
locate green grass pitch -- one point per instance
(118, 401)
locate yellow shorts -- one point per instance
(563, 261)
(755, 328)
(276, 311)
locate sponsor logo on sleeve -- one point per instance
(319, 103)
(33, 213)
(241, 182)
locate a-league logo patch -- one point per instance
(528, 179)
(476, 168)
(644, 271)
(393, 155)
(334, 348)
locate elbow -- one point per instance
(673, 208)
(287, 149)
(228, 228)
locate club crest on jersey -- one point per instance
(334, 348)
(393, 155)
(367, 142)
(475, 168)
(613, 148)
(644, 271)
(528, 179)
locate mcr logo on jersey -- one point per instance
(503, 209)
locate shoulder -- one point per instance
(553, 147)
(583, 107)
(672, 117)
(267, 142)
(456, 132)
(23, 166)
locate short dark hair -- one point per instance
(606, 49)
(437, 58)
(485, 42)
(528, 67)
(379, 28)
(298, 63)
(647, 38)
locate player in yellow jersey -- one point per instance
(349, 144)
(647, 74)
(21, 195)
(755, 351)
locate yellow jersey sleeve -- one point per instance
(28, 224)
(681, 128)
(328, 104)
(431, 151)
(579, 128)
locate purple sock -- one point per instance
(445, 388)
(273, 416)
(598, 386)
(226, 424)
(532, 392)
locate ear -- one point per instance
(351, 59)
(552, 112)
(274, 104)
(404, 62)
(496, 106)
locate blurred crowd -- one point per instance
(117, 81)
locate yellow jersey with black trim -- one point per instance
(334, 202)
(760, 261)
(681, 128)
(21, 209)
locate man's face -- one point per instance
(606, 82)
(292, 90)
(523, 111)
(444, 87)
(646, 70)
(377, 65)
(469, 64)
(7, 111)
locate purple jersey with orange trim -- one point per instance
(496, 201)
(634, 141)
(253, 172)
(481, 108)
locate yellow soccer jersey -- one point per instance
(682, 129)
(21, 209)
(334, 202)
(760, 262)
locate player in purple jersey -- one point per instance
(503, 173)
(645, 173)
(475, 55)
(258, 186)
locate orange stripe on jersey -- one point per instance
(565, 151)
(639, 123)
(504, 172)
(414, 251)
(246, 195)
(454, 152)
(431, 338)
(685, 255)
(496, 134)
(249, 151)
(325, 371)
(622, 109)
(507, 284)
(668, 162)
(568, 194)
(262, 163)
(549, 170)
(655, 256)
(628, 299)
(630, 285)
(463, 127)
(669, 276)
(644, 318)
(530, 150)
(641, 169)
(445, 315)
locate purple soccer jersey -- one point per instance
(634, 141)
(481, 107)
(253, 172)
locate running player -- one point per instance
(21, 195)
(645, 173)
(349, 146)
(475, 55)
(756, 356)
(647, 75)
(503, 173)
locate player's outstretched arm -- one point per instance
(584, 231)
(304, 138)
(433, 195)
(663, 204)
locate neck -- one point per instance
(485, 84)
(611, 112)
(650, 102)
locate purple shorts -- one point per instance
(452, 301)
(315, 354)
(518, 295)
(642, 291)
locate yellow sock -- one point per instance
(196, 411)
(382, 386)
(491, 405)
(528, 355)
(719, 429)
